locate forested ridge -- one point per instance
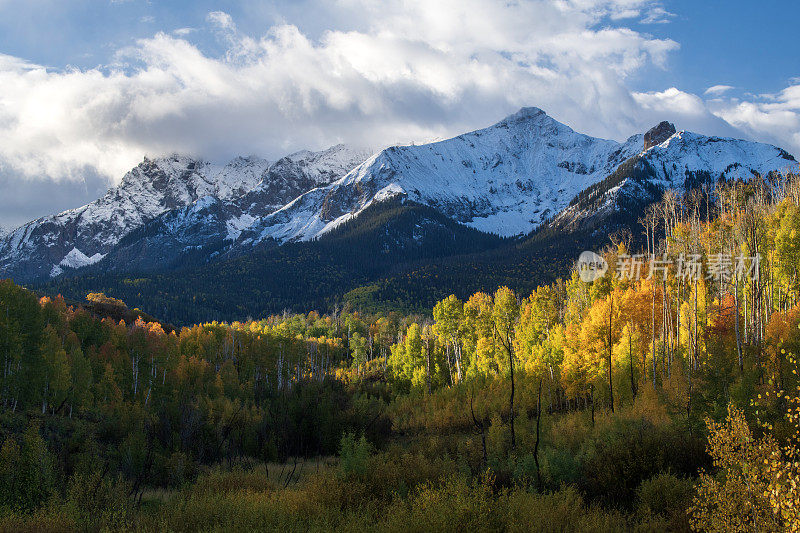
(394, 255)
(662, 395)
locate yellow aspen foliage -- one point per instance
(756, 486)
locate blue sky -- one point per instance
(87, 88)
(752, 46)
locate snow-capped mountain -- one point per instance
(505, 179)
(83, 236)
(508, 179)
(206, 228)
(672, 160)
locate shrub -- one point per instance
(668, 496)
(561, 511)
(354, 455)
(98, 501)
(219, 481)
(559, 467)
(755, 487)
(176, 469)
(452, 505)
(616, 461)
(664, 494)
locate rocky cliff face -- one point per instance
(658, 134)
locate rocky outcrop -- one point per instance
(658, 134)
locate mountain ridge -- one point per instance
(487, 179)
(152, 188)
(525, 172)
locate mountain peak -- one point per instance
(240, 160)
(530, 111)
(174, 158)
(533, 120)
(658, 134)
(159, 173)
(525, 113)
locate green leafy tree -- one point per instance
(505, 315)
(358, 350)
(53, 370)
(27, 475)
(787, 246)
(449, 316)
(407, 359)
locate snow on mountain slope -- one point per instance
(291, 176)
(505, 179)
(195, 232)
(38, 249)
(329, 165)
(75, 259)
(677, 160)
(685, 152)
(239, 177)
(282, 182)
(151, 188)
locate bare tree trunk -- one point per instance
(654, 355)
(610, 376)
(696, 340)
(44, 397)
(511, 399)
(449, 364)
(457, 357)
(630, 358)
(536, 446)
(678, 315)
(664, 347)
(480, 426)
(428, 362)
(736, 323)
(135, 370)
(744, 315)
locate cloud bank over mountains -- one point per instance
(385, 72)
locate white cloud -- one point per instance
(221, 20)
(415, 70)
(716, 90)
(657, 15)
(687, 111)
(773, 117)
(672, 100)
(11, 63)
(412, 70)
